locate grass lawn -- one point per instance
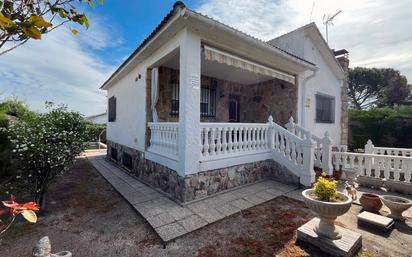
(86, 216)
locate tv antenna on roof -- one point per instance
(328, 20)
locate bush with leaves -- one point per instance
(11, 109)
(45, 147)
(93, 131)
(384, 126)
(325, 190)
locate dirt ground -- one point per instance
(86, 216)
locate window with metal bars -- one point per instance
(325, 109)
(207, 99)
(174, 84)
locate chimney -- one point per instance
(343, 58)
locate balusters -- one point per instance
(249, 141)
(219, 141)
(386, 163)
(212, 141)
(396, 169)
(351, 161)
(241, 140)
(287, 152)
(293, 152)
(299, 158)
(206, 142)
(230, 143)
(224, 140)
(235, 143)
(282, 144)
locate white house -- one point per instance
(200, 107)
(98, 118)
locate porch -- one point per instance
(227, 115)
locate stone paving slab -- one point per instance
(171, 220)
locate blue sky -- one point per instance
(69, 69)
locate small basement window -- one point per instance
(325, 109)
(112, 109)
(113, 153)
(127, 161)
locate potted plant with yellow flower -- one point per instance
(328, 203)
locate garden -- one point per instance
(36, 148)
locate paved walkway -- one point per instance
(171, 220)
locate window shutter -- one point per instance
(112, 109)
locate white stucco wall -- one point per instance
(324, 82)
(130, 125)
(292, 42)
(100, 119)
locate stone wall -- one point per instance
(274, 97)
(344, 62)
(196, 186)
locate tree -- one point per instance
(21, 20)
(45, 147)
(376, 87)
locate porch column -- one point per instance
(189, 104)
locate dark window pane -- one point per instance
(325, 109)
(127, 161)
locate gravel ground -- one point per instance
(87, 217)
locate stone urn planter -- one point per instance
(327, 212)
(43, 249)
(370, 202)
(397, 205)
(369, 181)
(399, 186)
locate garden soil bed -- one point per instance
(87, 217)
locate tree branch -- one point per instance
(14, 47)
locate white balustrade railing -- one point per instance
(323, 146)
(164, 138)
(227, 143)
(389, 167)
(225, 140)
(220, 140)
(371, 149)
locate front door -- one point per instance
(234, 109)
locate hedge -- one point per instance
(389, 127)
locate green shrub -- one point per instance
(325, 190)
(384, 126)
(45, 146)
(93, 131)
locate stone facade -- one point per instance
(196, 186)
(344, 62)
(257, 101)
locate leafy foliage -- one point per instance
(370, 87)
(325, 190)
(21, 20)
(45, 147)
(17, 109)
(384, 126)
(27, 210)
(93, 131)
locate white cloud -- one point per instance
(375, 32)
(60, 68)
